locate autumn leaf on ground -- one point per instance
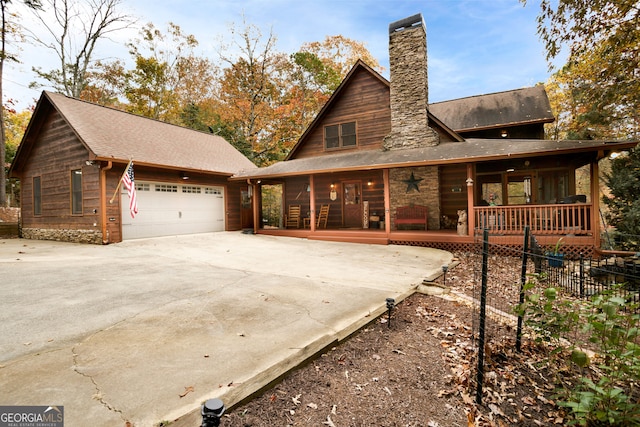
(187, 390)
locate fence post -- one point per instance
(523, 281)
(581, 275)
(483, 315)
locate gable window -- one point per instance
(76, 192)
(340, 136)
(37, 196)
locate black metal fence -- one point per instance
(499, 282)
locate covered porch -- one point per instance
(456, 197)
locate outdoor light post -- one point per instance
(390, 304)
(212, 411)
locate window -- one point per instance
(340, 135)
(166, 188)
(76, 192)
(37, 196)
(210, 190)
(189, 189)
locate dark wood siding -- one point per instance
(453, 190)
(295, 193)
(55, 153)
(364, 100)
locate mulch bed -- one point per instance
(417, 370)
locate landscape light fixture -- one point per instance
(445, 268)
(390, 304)
(212, 411)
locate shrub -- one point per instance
(599, 390)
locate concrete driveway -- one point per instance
(119, 333)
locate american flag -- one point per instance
(130, 185)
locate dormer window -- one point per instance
(342, 135)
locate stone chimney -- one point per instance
(409, 86)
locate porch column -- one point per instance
(471, 215)
(595, 203)
(387, 201)
(255, 204)
(312, 205)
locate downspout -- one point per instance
(103, 201)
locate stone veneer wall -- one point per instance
(427, 196)
(409, 90)
(63, 235)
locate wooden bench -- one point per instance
(411, 215)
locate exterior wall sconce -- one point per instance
(333, 185)
(183, 175)
(504, 133)
(308, 188)
(369, 183)
(469, 182)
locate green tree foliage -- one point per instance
(623, 202)
(168, 75)
(602, 38)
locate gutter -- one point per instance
(103, 201)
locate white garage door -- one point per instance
(166, 209)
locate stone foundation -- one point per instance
(59, 235)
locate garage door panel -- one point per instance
(168, 209)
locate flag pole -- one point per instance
(115, 193)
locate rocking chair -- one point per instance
(292, 219)
(323, 216)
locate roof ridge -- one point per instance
(484, 94)
(125, 112)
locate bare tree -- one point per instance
(75, 27)
(5, 56)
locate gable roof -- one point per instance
(115, 135)
(361, 66)
(514, 107)
(470, 150)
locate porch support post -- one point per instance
(255, 204)
(387, 201)
(312, 205)
(595, 203)
(471, 215)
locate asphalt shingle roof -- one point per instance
(112, 134)
(519, 106)
(470, 150)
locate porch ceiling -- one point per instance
(471, 150)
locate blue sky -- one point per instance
(474, 46)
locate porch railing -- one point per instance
(541, 219)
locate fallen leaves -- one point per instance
(423, 367)
(187, 390)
